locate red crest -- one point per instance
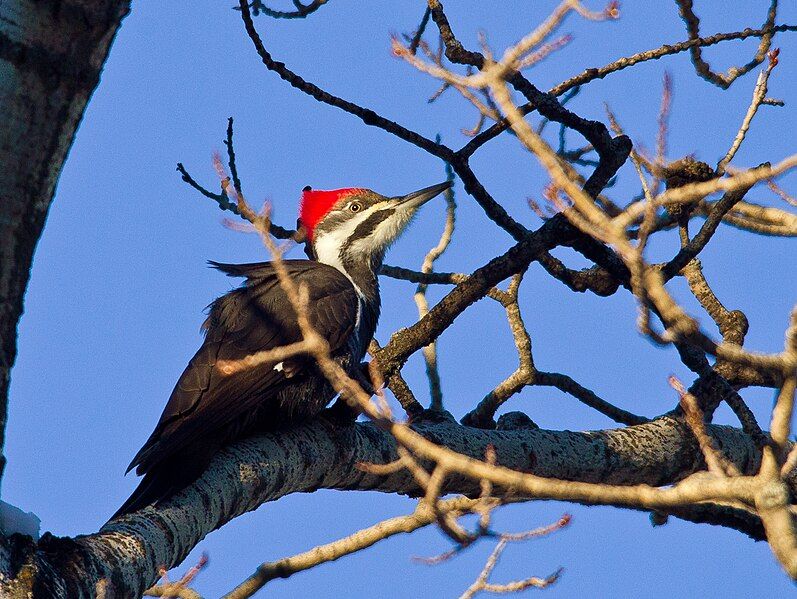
(316, 204)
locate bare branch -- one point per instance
(620, 64)
(180, 588)
(423, 515)
(759, 95)
(716, 462)
(430, 351)
(302, 10)
(369, 117)
(482, 581)
(702, 67)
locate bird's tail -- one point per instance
(152, 488)
(161, 481)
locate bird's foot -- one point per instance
(513, 421)
(507, 422)
(363, 376)
(429, 416)
(473, 420)
(340, 413)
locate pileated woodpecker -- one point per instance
(349, 231)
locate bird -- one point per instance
(347, 232)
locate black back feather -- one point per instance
(207, 409)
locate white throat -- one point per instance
(327, 251)
(328, 245)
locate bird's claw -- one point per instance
(432, 417)
(363, 377)
(340, 413)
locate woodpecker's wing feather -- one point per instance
(252, 318)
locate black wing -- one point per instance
(252, 318)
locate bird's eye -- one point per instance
(355, 207)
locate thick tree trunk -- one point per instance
(127, 553)
(51, 56)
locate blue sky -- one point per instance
(119, 280)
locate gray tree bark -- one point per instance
(51, 56)
(127, 553)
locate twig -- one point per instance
(302, 10)
(398, 386)
(180, 588)
(694, 246)
(715, 461)
(525, 372)
(723, 318)
(755, 218)
(567, 385)
(781, 193)
(695, 191)
(369, 117)
(362, 539)
(702, 67)
(236, 181)
(482, 581)
(223, 199)
(759, 95)
(663, 128)
(416, 39)
(430, 351)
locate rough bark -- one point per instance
(128, 552)
(51, 56)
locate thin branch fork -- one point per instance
(224, 199)
(482, 581)
(759, 97)
(697, 191)
(620, 64)
(423, 516)
(369, 117)
(527, 375)
(302, 10)
(693, 247)
(408, 341)
(430, 351)
(702, 67)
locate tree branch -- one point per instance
(129, 552)
(369, 117)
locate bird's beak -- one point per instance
(416, 199)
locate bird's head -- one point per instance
(353, 228)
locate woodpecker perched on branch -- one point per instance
(348, 232)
